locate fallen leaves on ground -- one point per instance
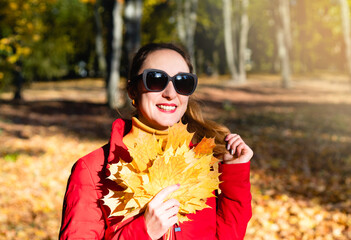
(300, 171)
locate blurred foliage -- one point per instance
(158, 21)
(48, 39)
(316, 30)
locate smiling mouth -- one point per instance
(166, 107)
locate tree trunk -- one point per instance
(284, 41)
(284, 58)
(244, 31)
(304, 65)
(180, 21)
(99, 45)
(345, 16)
(228, 39)
(235, 38)
(133, 13)
(186, 24)
(18, 81)
(113, 90)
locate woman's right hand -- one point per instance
(160, 215)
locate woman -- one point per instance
(160, 85)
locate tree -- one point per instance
(121, 15)
(283, 38)
(209, 38)
(37, 41)
(99, 39)
(244, 32)
(132, 16)
(236, 38)
(186, 24)
(345, 16)
(114, 94)
(228, 38)
(132, 10)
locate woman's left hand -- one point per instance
(238, 151)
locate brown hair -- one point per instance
(193, 115)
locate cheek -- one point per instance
(147, 99)
(142, 95)
(184, 102)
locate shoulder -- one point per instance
(91, 166)
(121, 125)
(95, 157)
(87, 168)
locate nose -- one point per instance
(169, 92)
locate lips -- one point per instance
(167, 107)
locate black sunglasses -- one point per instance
(157, 80)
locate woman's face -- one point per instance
(160, 110)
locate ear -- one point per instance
(130, 95)
(132, 92)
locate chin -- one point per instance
(166, 124)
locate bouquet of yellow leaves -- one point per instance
(157, 164)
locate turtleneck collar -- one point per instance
(136, 123)
(139, 130)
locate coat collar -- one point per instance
(118, 149)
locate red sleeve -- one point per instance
(81, 217)
(134, 229)
(234, 203)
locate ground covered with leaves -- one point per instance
(301, 170)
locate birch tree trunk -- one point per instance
(113, 91)
(186, 24)
(345, 16)
(244, 31)
(304, 65)
(235, 38)
(284, 41)
(99, 45)
(228, 38)
(133, 14)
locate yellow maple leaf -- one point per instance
(154, 168)
(178, 135)
(205, 146)
(143, 154)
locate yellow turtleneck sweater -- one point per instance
(139, 129)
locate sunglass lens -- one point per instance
(156, 81)
(184, 84)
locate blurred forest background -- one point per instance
(278, 72)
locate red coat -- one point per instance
(85, 217)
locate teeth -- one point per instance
(167, 108)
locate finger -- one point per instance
(231, 140)
(164, 213)
(172, 220)
(229, 136)
(168, 208)
(162, 195)
(164, 216)
(170, 204)
(247, 151)
(169, 213)
(169, 222)
(234, 143)
(240, 148)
